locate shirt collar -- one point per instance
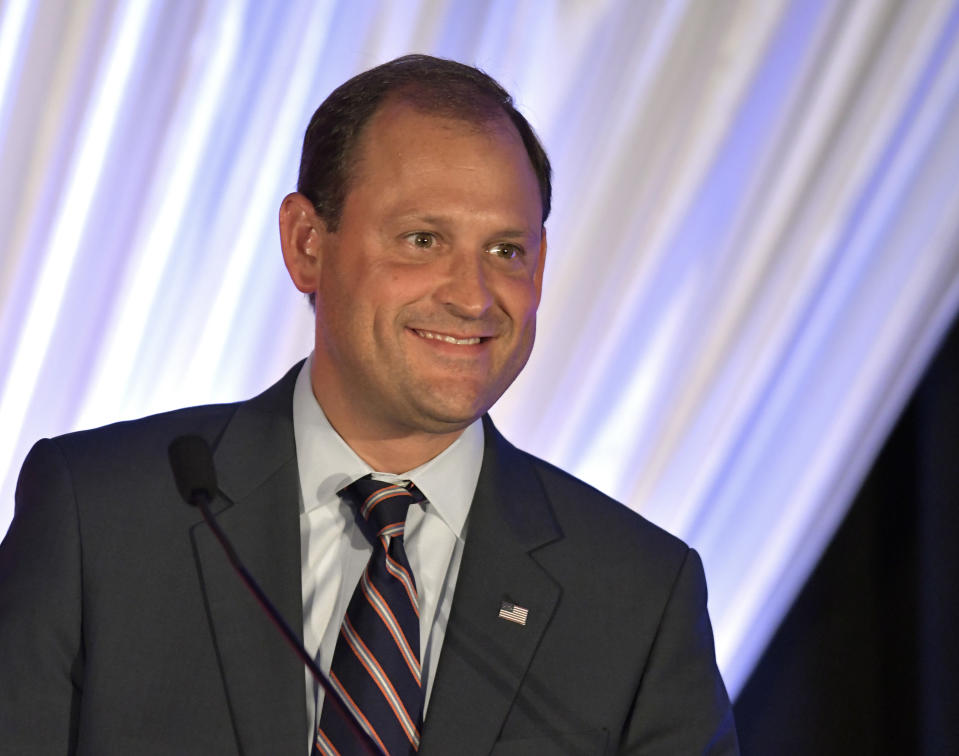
(327, 463)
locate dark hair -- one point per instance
(434, 85)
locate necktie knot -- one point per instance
(382, 504)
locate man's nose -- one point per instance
(466, 291)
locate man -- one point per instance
(551, 619)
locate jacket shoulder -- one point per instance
(127, 436)
(582, 510)
(153, 433)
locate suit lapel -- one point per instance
(258, 509)
(484, 657)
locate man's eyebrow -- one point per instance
(511, 233)
(439, 220)
(429, 220)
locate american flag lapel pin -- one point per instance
(513, 613)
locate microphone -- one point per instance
(192, 463)
(193, 470)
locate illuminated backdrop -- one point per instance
(753, 249)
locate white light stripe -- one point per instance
(383, 682)
(61, 250)
(210, 359)
(115, 377)
(13, 19)
(397, 570)
(389, 619)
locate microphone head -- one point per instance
(192, 464)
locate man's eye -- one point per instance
(422, 239)
(506, 251)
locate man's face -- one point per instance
(427, 293)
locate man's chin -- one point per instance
(445, 422)
(446, 414)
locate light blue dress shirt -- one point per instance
(334, 551)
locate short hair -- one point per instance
(432, 85)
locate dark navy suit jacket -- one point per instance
(124, 630)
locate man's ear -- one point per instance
(301, 235)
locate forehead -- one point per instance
(405, 149)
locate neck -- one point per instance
(398, 455)
(385, 449)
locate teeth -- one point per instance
(448, 339)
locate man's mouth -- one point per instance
(462, 341)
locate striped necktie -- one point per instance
(376, 662)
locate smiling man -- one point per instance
(463, 596)
(426, 292)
